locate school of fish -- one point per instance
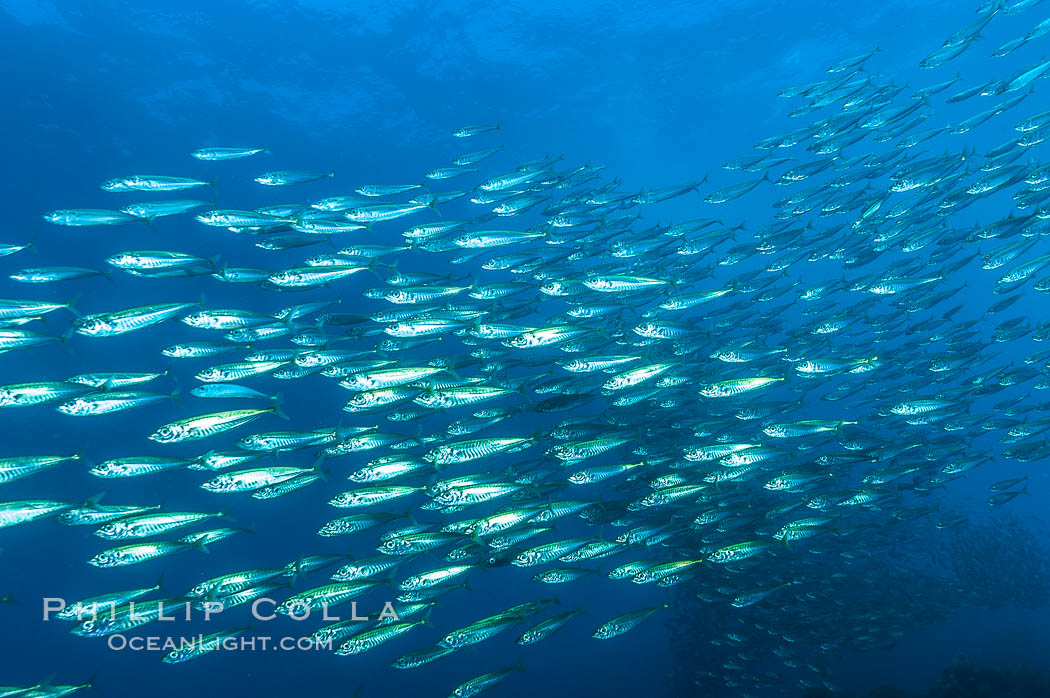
(534, 373)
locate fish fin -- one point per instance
(322, 472)
(71, 306)
(294, 568)
(92, 502)
(376, 263)
(46, 682)
(276, 407)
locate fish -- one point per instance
(90, 606)
(626, 622)
(481, 683)
(240, 219)
(545, 628)
(204, 426)
(307, 277)
(159, 263)
(81, 217)
(17, 467)
(251, 479)
(47, 275)
(137, 466)
(151, 183)
(97, 514)
(136, 553)
(109, 402)
(113, 323)
(202, 646)
(38, 393)
(220, 154)
(10, 248)
(281, 178)
(151, 210)
(230, 391)
(477, 130)
(13, 513)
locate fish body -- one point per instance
(136, 553)
(81, 217)
(625, 623)
(119, 322)
(47, 275)
(109, 402)
(17, 467)
(251, 479)
(152, 183)
(282, 178)
(26, 511)
(476, 130)
(150, 210)
(204, 426)
(30, 394)
(221, 154)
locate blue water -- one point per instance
(658, 94)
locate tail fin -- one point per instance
(71, 306)
(276, 408)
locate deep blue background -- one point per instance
(659, 95)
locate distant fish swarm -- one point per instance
(586, 398)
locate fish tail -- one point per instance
(276, 407)
(71, 306)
